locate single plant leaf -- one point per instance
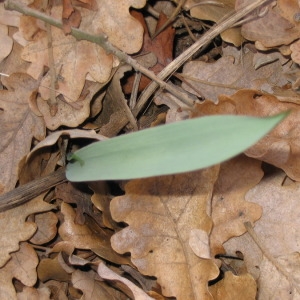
(169, 149)
(280, 148)
(163, 214)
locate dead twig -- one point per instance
(30, 190)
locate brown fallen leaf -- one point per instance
(215, 11)
(234, 287)
(131, 289)
(91, 286)
(278, 231)
(15, 228)
(231, 73)
(43, 293)
(83, 237)
(161, 213)
(229, 208)
(46, 228)
(277, 24)
(18, 125)
(21, 266)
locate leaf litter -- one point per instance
(226, 232)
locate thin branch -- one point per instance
(30, 190)
(183, 57)
(101, 40)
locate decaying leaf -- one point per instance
(215, 11)
(91, 286)
(278, 231)
(137, 293)
(19, 125)
(21, 266)
(15, 228)
(274, 24)
(232, 72)
(229, 208)
(161, 213)
(234, 287)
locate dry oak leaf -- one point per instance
(233, 287)
(134, 291)
(19, 125)
(92, 286)
(229, 208)
(15, 228)
(46, 223)
(162, 213)
(83, 237)
(229, 74)
(22, 266)
(278, 230)
(278, 24)
(42, 293)
(215, 11)
(281, 146)
(72, 61)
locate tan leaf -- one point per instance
(137, 293)
(280, 147)
(15, 228)
(278, 230)
(82, 237)
(234, 287)
(55, 269)
(215, 11)
(6, 42)
(34, 294)
(229, 208)
(161, 212)
(93, 289)
(22, 266)
(47, 230)
(229, 74)
(18, 125)
(277, 25)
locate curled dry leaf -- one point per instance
(15, 228)
(231, 73)
(18, 125)
(83, 237)
(46, 223)
(161, 213)
(281, 146)
(215, 11)
(21, 266)
(273, 25)
(137, 293)
(91, 286)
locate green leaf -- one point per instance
(174, 148)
